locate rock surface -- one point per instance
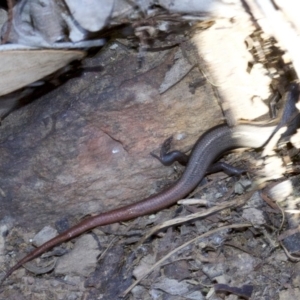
(84, 148)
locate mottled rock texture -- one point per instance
(85, 147)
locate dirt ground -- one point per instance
(83, 148)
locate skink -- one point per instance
(209, 147)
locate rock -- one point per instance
(82, 259)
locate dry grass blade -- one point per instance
(201, 214)
(183, 246)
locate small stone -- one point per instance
(46, 234)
